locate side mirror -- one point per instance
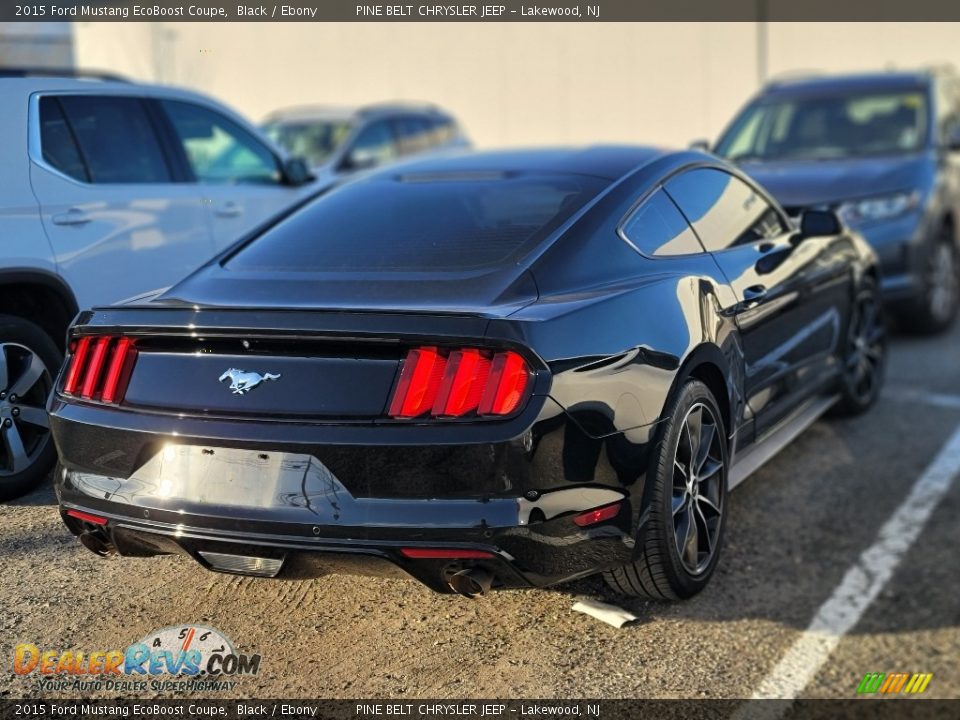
(819, 223)
(700, 144)
(296, 171)
(357, 160)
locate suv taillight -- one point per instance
(460, 382)
(99, 368)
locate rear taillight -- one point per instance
(99, 368)
(460, 382)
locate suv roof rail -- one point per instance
(73, 73)
(399, 105)
(793, 76)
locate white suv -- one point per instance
(109, 189)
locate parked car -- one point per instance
(881, 150)
(110, 189)
(498, 370)
(340, 141)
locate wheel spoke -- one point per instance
(677, 504)
(29, 376)
(691, 542)
(16, 453)
(708, 502)
(707, 432)
(3, 368)
(34, 416)
(694, 429)
(706, 529)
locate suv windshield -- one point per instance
(420, 222)
(314, 140)
(827, 127)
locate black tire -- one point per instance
(27, 452)
(659, 572)
(865, 357)
(936, 308)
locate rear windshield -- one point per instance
(420, 223)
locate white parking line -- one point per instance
(923, 396)
(863, 581)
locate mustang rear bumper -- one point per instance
(506, 508)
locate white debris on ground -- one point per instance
(610, 614)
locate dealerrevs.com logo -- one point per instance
(894, 683)
(177, 658)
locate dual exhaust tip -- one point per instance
(471, 583)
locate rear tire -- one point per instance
(865, 359)
(936, 309)
(29, 360)
(686, 493)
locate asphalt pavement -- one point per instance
(800, 531)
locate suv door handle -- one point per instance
(229, 210)
(73, 216)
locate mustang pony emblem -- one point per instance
(243, 382)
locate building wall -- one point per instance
(510, 83)
(36, 45)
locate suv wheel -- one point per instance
(940, 301)
(679, 545)
(28, 360)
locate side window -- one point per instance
(113, 135)
(657, 228)
(57, 143)
(724, 210)
(444, 130)
(373, 146)
(219, 150)
(413, 134)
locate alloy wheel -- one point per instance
(943, 283)
(867, 350)
(24, 428)
(698, 488)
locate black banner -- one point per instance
(399, 709)
(495, 11)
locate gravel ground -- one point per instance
(794, 529)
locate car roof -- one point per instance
(857, 82)
(28, 84)
(608, 162)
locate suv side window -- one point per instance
(57, 144)
(374, 145)
(723, 210)
(218, 149)
(657, 229)
(101, 139)
(413, 134)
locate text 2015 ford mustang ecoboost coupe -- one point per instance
(494, 370)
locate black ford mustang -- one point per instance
(504, 369)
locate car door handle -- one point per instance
(754, 294)
(73, 216)
(229, 210)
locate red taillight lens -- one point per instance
(592, 517)
(86, 377)
(444, 554)
(464, 381)
(87, 517)
(507, 383)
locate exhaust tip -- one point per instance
(96, 544)
(471, 583)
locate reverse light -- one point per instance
(99, 368)
(459, 382)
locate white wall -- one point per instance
(510, 83)
(36, 45)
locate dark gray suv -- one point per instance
(883, 150)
